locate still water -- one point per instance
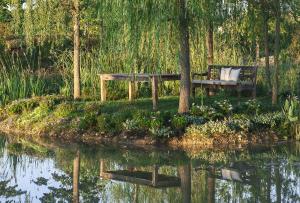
(31, 172)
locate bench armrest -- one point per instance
(199, 74)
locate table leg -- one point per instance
(131, 90)
(155, 92)
(103, 89)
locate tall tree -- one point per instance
(277, 52)
(184, 58)
(76, 59)
(210, 43)
(265, 13)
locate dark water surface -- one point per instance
(31, 172)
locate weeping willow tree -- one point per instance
(138, 36)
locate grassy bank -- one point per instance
(215, 121)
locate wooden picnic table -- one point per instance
(132, 79)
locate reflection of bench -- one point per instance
(152, 179)
(246, 81)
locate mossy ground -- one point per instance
(128, 122)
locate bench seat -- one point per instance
(246, 81)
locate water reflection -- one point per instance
(31, 172)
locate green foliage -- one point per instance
(206, 112)
(251, 107)
(161, 132)
(291, 112)
(224, 108)
(210, 129)
(105, 123)
(64, 110)
(179, 122)
(20, 106)
(88, 121)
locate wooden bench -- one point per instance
(247, 79)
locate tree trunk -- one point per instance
(210, 43)
(277, 52)
(257, 49)
(266, 43)
(76, 18)
(184, 58)
(76, 170)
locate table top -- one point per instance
(139, 77)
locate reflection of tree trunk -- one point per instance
(211, 185)
(184, 58)
(278, 184)
(76, 170)
(269, 178)
(186, 182)
(102, 167)
(136, 193)
(276, 55)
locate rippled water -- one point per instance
(31, 172)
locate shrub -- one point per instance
(162, 132)
(242, 124)
(64, 110)
(224, 108)
(210, 129)
(179, 122)
(203, 111)
(197, 120)
(88, 121)
(251, 107)
(18, 107)
(104, 123)
(268, 120)
(131, 125)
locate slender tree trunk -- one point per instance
(184, 58)
(76, 60)
(210, 43)
(186, 182)
(76, 170)
(277, 52)
(257, 49)
(266, 42)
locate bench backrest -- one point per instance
(248, 73)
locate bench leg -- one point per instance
(131, 90)
(207, 90)
(103, 89)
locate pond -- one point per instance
(55, 172)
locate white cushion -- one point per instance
(225, 72)
(234, 75)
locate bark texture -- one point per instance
(76, 60)
(277, 52)
(184, 58)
